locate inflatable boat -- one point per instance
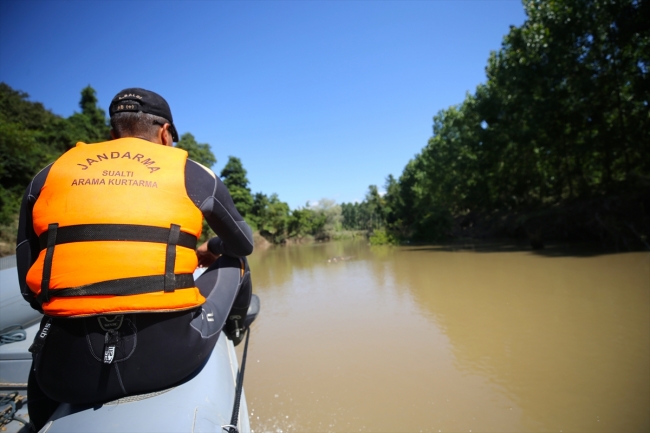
(202, 403)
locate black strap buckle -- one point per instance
(39, 341)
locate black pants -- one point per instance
(153, 351)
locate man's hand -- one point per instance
(206, 258)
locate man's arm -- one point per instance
(27, 246)
(207, 191)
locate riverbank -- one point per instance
(616, 222)
(620, 222)
(264, 239)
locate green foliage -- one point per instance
(382, 237)
(369, 215)
(91, 125)
(24, 130)
(564, 100)
(199, 152)
(15, 108)
(271, 216)
(31, 137)
(563, 116)
(20, 159)
(278, 223)
(234, 177)
(306, 222)
(433, 225)
(331, 213)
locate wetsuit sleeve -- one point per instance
(27, 246)
(234, 236)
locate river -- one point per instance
(487, 337)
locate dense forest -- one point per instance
(554, 145)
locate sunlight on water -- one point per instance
(430, 339)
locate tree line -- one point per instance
(554, 144)
(272, 217)
(32, 137)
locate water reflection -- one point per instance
(276, 266)
(410, 339)
(564, 337)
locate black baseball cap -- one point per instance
(136, 99)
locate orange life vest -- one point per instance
(117, 232)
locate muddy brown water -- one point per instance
(481, 338)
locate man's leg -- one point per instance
(227, 287)
(39, 406)
(234, 326)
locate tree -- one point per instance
(234, 177)
(22, 146)
(349, 213)
(562, 116)
(89, 126)
(305, 221)
(271, 216)
(332, 215)
(199, 152)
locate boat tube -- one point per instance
(202, 403)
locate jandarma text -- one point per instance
(117, 155)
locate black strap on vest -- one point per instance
(168, 282)
(125, 286)
(116, 232)
(52, 231)
(170, 258)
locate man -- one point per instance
(106, 249)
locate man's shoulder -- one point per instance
(195, 169)
(38, 181)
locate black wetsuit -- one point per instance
(155, 350)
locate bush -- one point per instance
(382, 237)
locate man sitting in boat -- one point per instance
(107, 249)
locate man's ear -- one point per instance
(165, 136)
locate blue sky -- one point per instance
(319, 99)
